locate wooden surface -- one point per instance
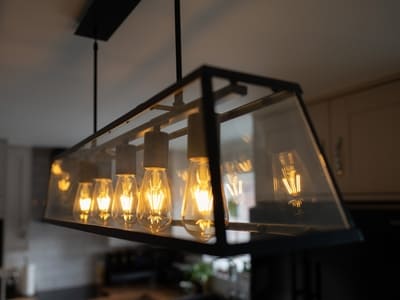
(139, 293)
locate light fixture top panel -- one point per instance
(103, 18)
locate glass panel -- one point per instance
(134, 176)
(275, 179)
(151, 172)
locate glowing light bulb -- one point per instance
(125, 199)
(198, 202)
(198, 205)
(154, 207)
(83, 202)
(102, 195)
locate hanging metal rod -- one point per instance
(178, 41)
(178, 53)
(95, 50)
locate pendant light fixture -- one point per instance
(208, 119)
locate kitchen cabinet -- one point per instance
(18, 194)
(360, 133)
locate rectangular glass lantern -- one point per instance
(221, 163)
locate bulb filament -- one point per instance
(84, 205)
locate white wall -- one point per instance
(63, 257)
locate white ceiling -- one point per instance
(46, 71)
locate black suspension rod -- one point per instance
(178, 41)
(95, 49)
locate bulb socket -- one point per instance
(196, 136)
(125, 159)
(155, 149)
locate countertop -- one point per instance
(139, 292)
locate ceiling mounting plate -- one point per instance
(104, 17)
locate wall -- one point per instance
(63, 257)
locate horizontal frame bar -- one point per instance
(276, 244)
(232, 76)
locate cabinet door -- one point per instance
(17, 198)
(366, 144)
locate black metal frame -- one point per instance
(221, 247)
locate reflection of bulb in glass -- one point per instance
(64, 182)
(102, 195)
(56, 167)
(83, 201)
(125, 199)
(154, 207)
(198, 205)
(291, 178)
(234, 186)
(292, 184)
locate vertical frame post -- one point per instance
(213, 152)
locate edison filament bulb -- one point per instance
(126, 192)
(198, 207)
(102, 196)
(125, 199)
(198, 202)
(154, 210)
(83, 202)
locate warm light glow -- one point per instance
(83, 202)
(62, 178)
(205, 225)
(102, 195)
(200, 188)
(293, 183)
(155, 196)
(198, 204)
(291, 178)
(203, 199)
(298, 184)
(126, 203)
(154, 208)
(103, 203)
(64, 183)
(245, 166)
(56, 168)
(125, 199)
